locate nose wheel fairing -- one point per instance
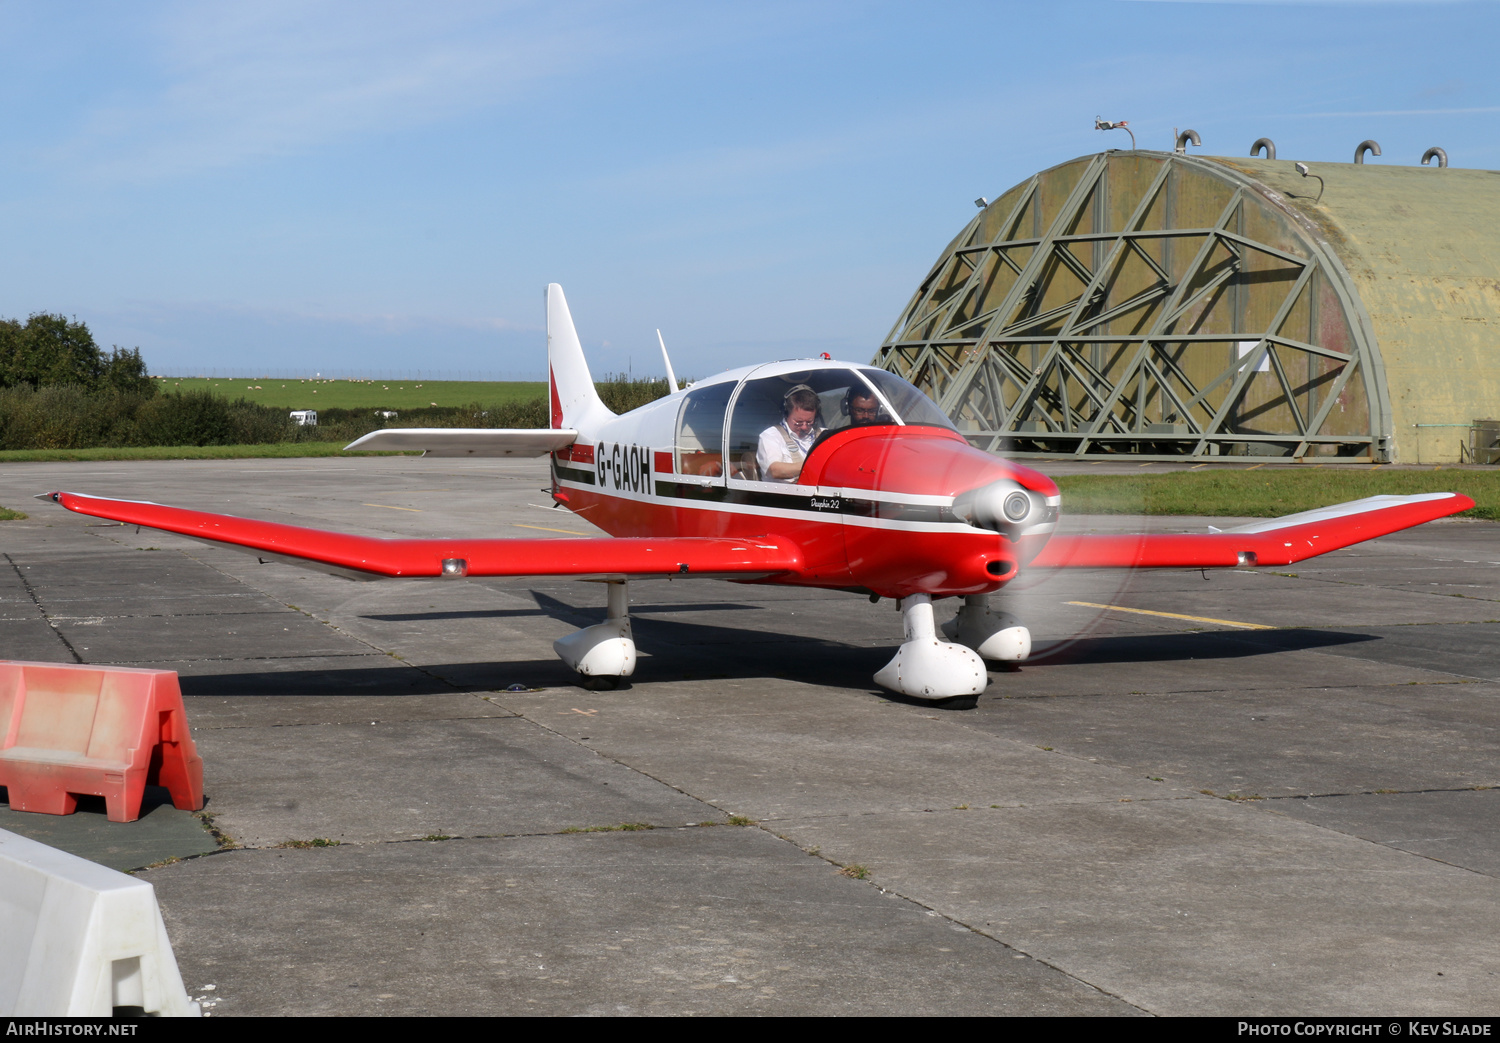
(924, 666)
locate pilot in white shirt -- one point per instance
(784, 446)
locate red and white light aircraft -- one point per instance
(891, 501)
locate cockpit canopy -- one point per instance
(846, 396)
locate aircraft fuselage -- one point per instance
(884, 507)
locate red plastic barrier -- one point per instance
(106, 731)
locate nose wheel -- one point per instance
(605, 652)
(928, 668)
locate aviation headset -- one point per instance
(786, 400)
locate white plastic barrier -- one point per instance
(79, 940)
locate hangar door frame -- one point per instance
(1043, 372)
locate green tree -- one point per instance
(49, 351)
(125, 370)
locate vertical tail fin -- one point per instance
(575, 403)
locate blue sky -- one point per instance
(376, 186)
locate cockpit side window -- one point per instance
(700, 430)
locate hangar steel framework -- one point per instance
(1156, 304)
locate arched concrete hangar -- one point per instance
(1166, 305)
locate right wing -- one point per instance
(371, 557)
(465, 441)
(1274, 541)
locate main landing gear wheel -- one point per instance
(996, 636)
(605, 652)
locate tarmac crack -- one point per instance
(506, 716)
(375, 649)
(257, 658)
(171, 615)
(31, 592)
(1394, 845)
(844, 816)
(1459, 679)
(1381, 792)
(154, 597)
(864, 876)
(1389, 587)
(956, 922)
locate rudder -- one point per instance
(574, 402)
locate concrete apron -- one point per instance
(1051, 851)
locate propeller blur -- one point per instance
(812, 473)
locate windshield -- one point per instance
(909, 404)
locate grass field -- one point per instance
(9, 515)
(361, 394)
(1266, 493)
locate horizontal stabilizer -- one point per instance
(465, 441)
(375, 558)
(1274, 541)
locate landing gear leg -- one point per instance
(927, 668)
(604, 652)
(994, 635)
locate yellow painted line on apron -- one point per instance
(570, 532)
(1254, 467)
(1172, 615)
(388, 507)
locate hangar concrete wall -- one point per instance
(1422, 248)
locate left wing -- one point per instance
(1275, 541)
(371, 557)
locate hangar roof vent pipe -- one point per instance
(1264, 143)
(1182, 140)
(1369, 145)
(1437, 154)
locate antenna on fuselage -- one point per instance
(671, 377)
